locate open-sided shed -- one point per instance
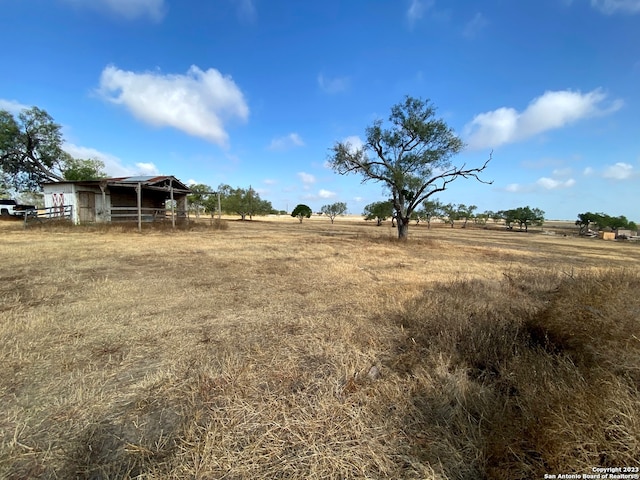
(139, 199)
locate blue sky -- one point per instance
(255, 92)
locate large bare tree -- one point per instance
(412, 157)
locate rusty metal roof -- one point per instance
(145, 180)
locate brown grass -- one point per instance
(273, 349)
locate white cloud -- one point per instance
(306, 178)
(417, 9)
(562, 172)
(553, 184)
(285, 143)
(129, 9)
(147, 168)
(614, 6)
(543, 183)
(191, 182)
(550, 111)
(113, 166)
(269, 181)
(326, 194)
(354, 142)
(333, 85)
(12, 106)
(246, 10)
(513, 187)
(619, 171)
(475, 25)
(588, 171)
(196, 103)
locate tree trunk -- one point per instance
(403, 227)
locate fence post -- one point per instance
(139, 192)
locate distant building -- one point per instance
(141, 199)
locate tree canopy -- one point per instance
(466, 212)
(243, 201)
(30, 149)
(378, 211)
(603, 221)
(301, 211)
(523, 216)
(411, 158)
(450, 213)
(430, 209)
(31, 153)
(199, 198)
(333, 210)
(75, 169)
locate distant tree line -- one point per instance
(450, 213)
(602, 221)
(245, 202)
(521, 217)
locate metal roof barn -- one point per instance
(123, 199)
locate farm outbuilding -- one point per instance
(134, 199)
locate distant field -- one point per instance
(274, 349)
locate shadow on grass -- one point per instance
(538, 374)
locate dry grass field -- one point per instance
(273, 349)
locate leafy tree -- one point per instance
(199, 196)
(485, 216)
(523, 216)
(450, 213)
(465, 213)
(430, 209)
(31, 198)
(584, 220)
(301, 211)
(4, 188)
(333, 210)
(607, 221)
(75, 169)
(243, 202)
(378, 211)
(30, 149)
(411, 158)
(31, 153)
(508, 216)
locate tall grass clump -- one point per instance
(539, 373)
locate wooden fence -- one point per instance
(57, 213)
(131, 214)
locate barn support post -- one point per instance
(106, 215)
(139, 199)
(173, 207)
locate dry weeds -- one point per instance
(285, 350)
